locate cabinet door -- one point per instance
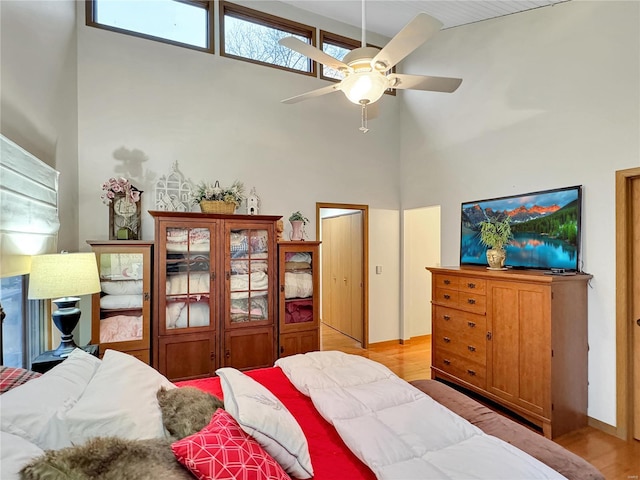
(187, 286)
(299, 286)
(299, 342)
(250, 275)
(121, 312)
(246, 348)
(183, 357)
(519, 348)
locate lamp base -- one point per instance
(66, 318)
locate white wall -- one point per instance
(384, 289)
(421, 248)
(550, 98)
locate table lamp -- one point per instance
(64, 275)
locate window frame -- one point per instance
(208, 5)
(348, 43)
(265, 19)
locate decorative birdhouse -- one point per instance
(253, 202)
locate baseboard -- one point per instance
(408, 341)
(604, 427)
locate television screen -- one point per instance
(545, 226)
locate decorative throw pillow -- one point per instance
(35, 410)
(223, 451)
(265, 418)
(108, 458)
(186, 410)
(11, 377)
(119, 401)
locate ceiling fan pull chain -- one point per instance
(364, 124)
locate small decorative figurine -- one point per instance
(253, 202)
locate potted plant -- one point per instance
(495, 233)
(298, 221)
(217, 199)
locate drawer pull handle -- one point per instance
(471, 324)
(471, 348)
(446, 317)
(446, 339)
(447, 296)
(471, 285)
(446, 362)
(471, 372)
(471, 301)
(447, 282)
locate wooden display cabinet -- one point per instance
(121, 312)
(215, 292)
(299, 306)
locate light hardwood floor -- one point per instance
(615, 458)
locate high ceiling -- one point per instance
(387, 17)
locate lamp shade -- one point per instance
(63, 275)
(364, 87)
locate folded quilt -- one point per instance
(399, 431)
(184, 283)
(120, 328)
(298, 284)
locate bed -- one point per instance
(99, 400)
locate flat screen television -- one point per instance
(545, 226)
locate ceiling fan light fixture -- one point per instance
(365, 87)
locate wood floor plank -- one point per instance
(615, 458)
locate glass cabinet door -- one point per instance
(123, 297)
(298, 289)
(249, 276)
(188, 274)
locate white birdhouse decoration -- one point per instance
(253, 202)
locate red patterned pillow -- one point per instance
(223, 451)
(11, 377)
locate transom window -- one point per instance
(338, 46)
(185, 22)
(250, 35)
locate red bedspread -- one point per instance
(330, 457)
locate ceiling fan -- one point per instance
(367, 70)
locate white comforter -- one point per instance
(399, 431)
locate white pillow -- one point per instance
(119, 401)
(34, 410)
(266, 419)
(16, 452)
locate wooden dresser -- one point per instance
(516, 337)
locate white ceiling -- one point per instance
(387, 17)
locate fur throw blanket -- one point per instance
(109, 458)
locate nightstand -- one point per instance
(47, 360)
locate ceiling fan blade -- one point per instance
(313, 93)
(414, 34)
(312, 52)
(424, 82)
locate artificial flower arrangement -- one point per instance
(119, 185)
(206, 191)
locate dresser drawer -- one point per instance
(468, 346)
(472, 285)
(472, 302)
(445, 296)
(445, 281)
(461, 368)
(452, 320)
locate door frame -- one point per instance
(624, 322)
(365, 257)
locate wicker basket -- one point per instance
(217, 206)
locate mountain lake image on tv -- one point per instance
(545, 227)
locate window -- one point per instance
(186, 22)
(338, 46)
(253, 36)
(23, 329)
(28, 226)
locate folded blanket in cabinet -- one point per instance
(120, 328)
(120, 302)
(196, 282)
(183, 314)
(298, 284)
